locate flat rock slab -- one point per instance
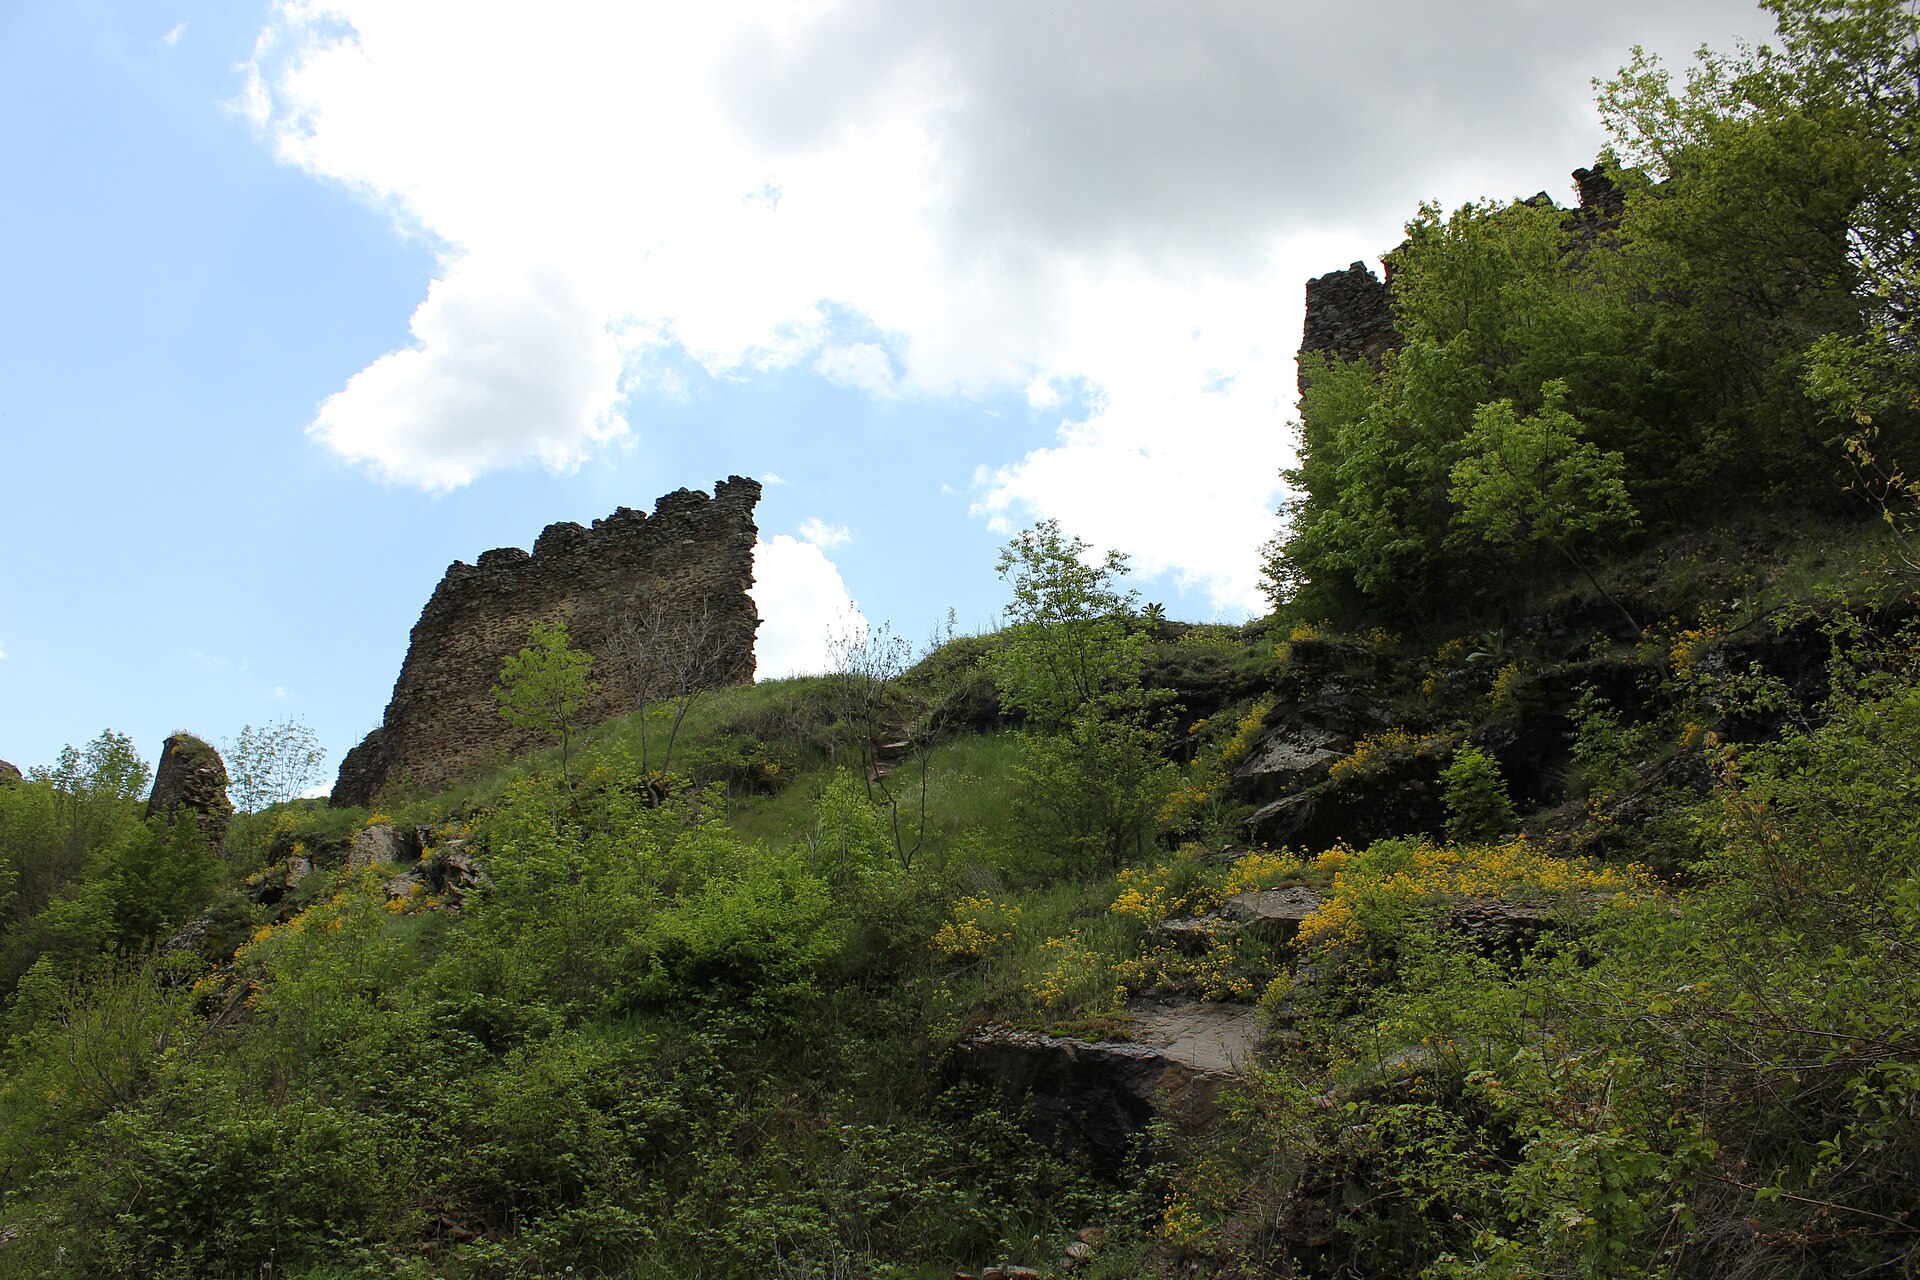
(1292, 756)
(1282, 908)
(1213, 1039)
(1098, 1096)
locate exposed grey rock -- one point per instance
(191, 936)
(450, 872)
(1204, 1037)
(379, 845)
(1190, 935)
(1096, 1097)
(1276, 914)
(1292, 756)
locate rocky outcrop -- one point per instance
(382, 844)
(1273, 915)
(1097, 1097)
(629, 588)
(193, 776)
(1349, 317)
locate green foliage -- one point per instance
(1697, 351)
(1478, 806)
(850, 836)
(544, 688)
(1534, 479)
(156, 878)
(1067, 646)
(1092, 779)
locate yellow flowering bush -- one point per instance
(1220, 975)
(1380, 888)
(976, 926)
(1689, 645)
(1373, 753)
(1505, 682)
(1261, 870)
(1302, 630)
(1148, 895)
(1075, 977)
(1207, 779)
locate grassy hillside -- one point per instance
(1553, 846)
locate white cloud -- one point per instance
(1123, 199)
(823, 535)
(172, 37)
(803, 603)
(860, 365)
(772, 478)
(3, 652)
(505, 364)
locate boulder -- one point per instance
(192, 775)
(450, 873)
(1275, 914)
(271, 887)
(1292, 757)
(1096, 1098)
(380, 845)
(1190, 935)
(1400, 795)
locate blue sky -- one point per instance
(304, 302)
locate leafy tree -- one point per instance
(272, 764)
(156, 877)
(864, 688)
(1067, 645)
(1535, 480)
(1092, 778)
(95, 783)
(545, 688)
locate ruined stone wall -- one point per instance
(690, 560)
(1350, 313)
(1349, 317)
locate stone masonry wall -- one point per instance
(1350, 313)
(1349, 317)
(691, 559)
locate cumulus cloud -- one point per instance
(1119, 196)
(803, 604)
(823, 535)
(860, 365)
(504, 365)
(172, 37)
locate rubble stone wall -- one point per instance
(691, 558)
